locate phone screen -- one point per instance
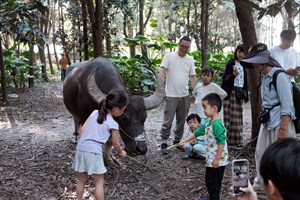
(240, 175)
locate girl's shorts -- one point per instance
(92, 163)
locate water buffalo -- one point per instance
(86, 85)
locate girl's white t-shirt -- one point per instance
(95, 135)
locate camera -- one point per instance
(264, 116)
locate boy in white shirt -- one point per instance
(204, 88)
(285, 54)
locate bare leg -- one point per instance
(99, 182)
(80, 185)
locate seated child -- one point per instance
(197, 145)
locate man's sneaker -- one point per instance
(180, 148)
(164, 149)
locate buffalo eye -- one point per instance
(124, 119)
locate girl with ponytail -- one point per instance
(97, 129)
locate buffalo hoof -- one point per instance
(112, 161)
(76, 137)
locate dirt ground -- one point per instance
(37, 148)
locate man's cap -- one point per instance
(259, 54)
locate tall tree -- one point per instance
(85, 31)
(2, 73)
(43, 26)
(95, 14)
(204, 30)
(247, 28)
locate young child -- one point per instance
(196, 145)
(204, 88)
(216, 146)
(96, 131)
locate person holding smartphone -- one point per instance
(234, 82)
(285, 54)
(280, 171)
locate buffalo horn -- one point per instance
(93, 90)
(155, 99)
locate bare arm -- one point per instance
(292, 72)
(116, 144)
(215, 163)
(185, 140)
(162, 74)
(193, 81)
(283, 130)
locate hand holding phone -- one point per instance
(240, 175)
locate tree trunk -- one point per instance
(130, 35)
(141, 27)
(56, 57)
(31, 67)
(203, 30)
(96, 21)
(49, 58)
(196, 25)
(2, 72)
(247, 29)
(43, 61)
(85, 34)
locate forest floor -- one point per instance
(37, 148)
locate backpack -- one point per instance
(296, 99)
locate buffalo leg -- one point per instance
(76, 127)
(108, 157)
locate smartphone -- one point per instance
(240, 175)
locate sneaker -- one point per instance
(180, 148)
(186, 157)
(164, 149)
(257, 188)
(236, 147)
(201, 157)
(204, 198)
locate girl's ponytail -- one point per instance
(102, 111)
(113, 99)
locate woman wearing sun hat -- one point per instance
(279, 124)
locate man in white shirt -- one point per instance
(285, 54)
(177, 68)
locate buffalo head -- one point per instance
(87, 84)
